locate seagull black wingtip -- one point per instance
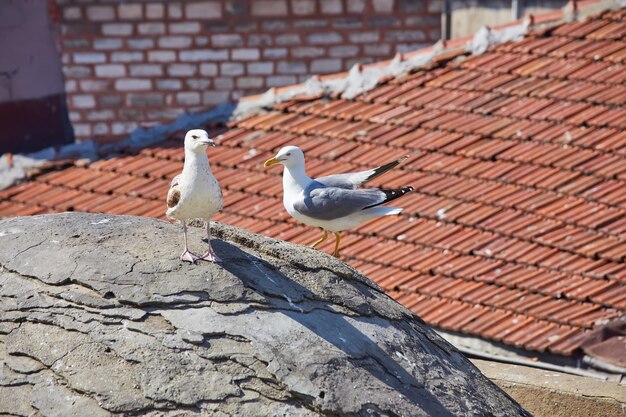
(392, 195)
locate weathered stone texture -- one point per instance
(99, 318)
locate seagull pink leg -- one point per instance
(209, 256)
(186, 255)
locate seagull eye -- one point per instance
(194, 136)
(288, 153)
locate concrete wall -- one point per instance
(131, 63)
(470, 15)
(32, 98)
(31, 65)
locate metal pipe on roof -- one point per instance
(517, 9)
(446, 20)
(605, 366)
(540, 365)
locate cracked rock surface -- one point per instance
(98, 317)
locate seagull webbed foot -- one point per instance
(189, 257)
(210, 257)
(320, 240)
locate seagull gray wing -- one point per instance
(328, 203)
(347, 181)
(354, 180)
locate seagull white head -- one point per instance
(289, 156)
(197, 140)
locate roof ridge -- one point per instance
(364, 77)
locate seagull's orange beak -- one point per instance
(270, 162)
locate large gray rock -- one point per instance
(98, 317)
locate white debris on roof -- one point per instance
(142, 137)
(10, 173)
(21, 164)
(567, 136)
(579, 14)
(486, 37)
(360, 79)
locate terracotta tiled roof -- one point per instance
(517, 229)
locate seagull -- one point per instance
(195, 193)
(334, 202)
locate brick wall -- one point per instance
(138, 63)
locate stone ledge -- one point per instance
(555, 394)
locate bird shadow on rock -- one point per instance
(327, 323)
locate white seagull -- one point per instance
(195, 193)
(333, 202)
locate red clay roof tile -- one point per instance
(517, 229)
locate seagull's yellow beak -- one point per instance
(270, 162)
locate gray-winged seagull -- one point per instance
(195, 193)
(333, 202)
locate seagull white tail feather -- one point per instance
(383, 211)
